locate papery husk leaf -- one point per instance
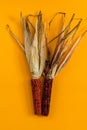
(41, 43)
(60, 43)
(68, 26)
(39, 26)
(43, 51)
(59, 40)
(65, 30)
(34, 55)
(38, 49)
(52, 75)
(65, 47)
(61, 35)
(68, 40)
(15, 38)
(31, 24)
(69, 54)
(71, 35)
(39, 33)
(55, 16)
(27, 37)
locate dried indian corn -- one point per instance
(62, 53)
(38, 56)
(35, 51)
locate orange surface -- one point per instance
(69, 96)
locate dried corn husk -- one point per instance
(34, 44)
(38, 49)
(64, 47)
(69, 54)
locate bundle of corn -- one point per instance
(35, 51)
(38, 56)
(64, 48)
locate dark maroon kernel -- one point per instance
(36, 92)
(46, 96)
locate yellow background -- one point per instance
(69, 95)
